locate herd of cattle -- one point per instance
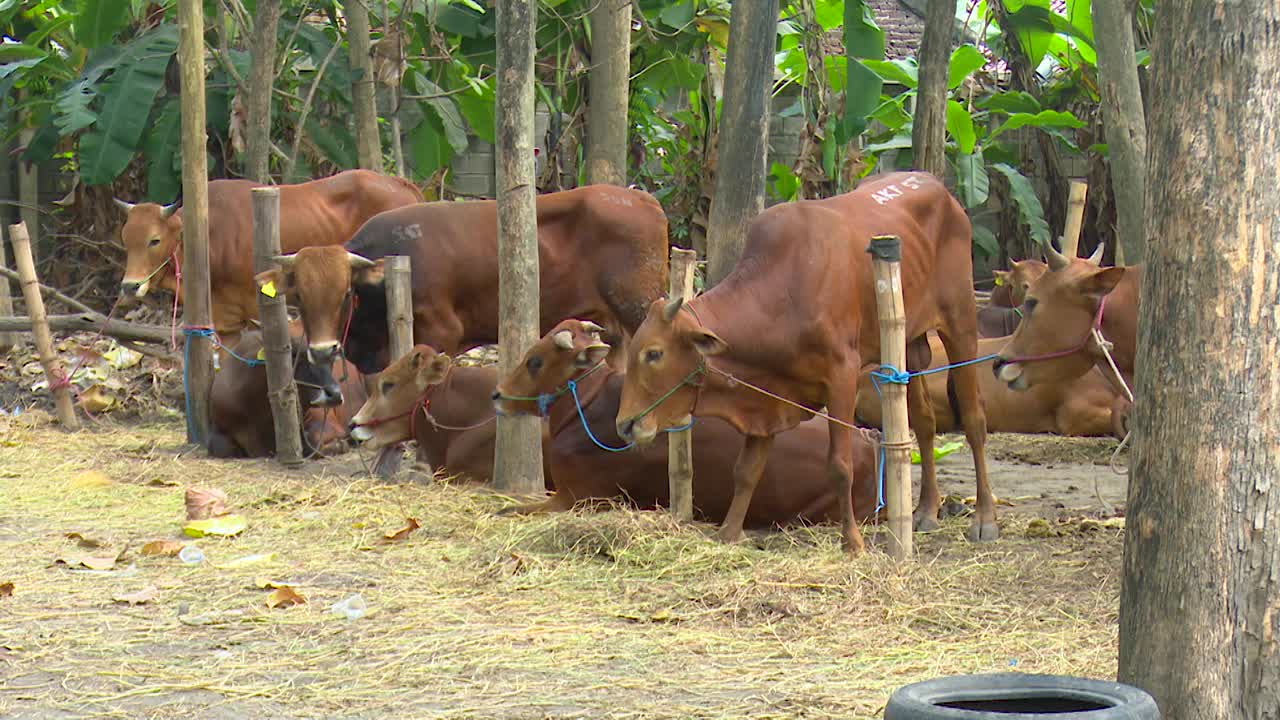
(790, 331)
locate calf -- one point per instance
(792, 487)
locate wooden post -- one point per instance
(277, 348)
(680, 445)
(1075, 218)
(399, 305)
(54, 371)
(887, 252)
(7, 339)
(196, 305)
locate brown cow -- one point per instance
(1055, 343)
(602, 256)
(797, 315)
(1079, 407)
(792, 488)
(320, 212)
(240, 419)
(445, 407)
(1020, 276)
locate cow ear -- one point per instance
(1001, 276)
(371, 275)
(1098, 284)
(274, 282)
(707, 342)
(592, 355)
(433, 370)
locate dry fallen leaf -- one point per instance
(224, 525)
(93, 562)
(165, 548)
(6, 590)
(284, 597)
(247, 560)
(83, 541)
(410, 524)
(96, 399)
(265, 583)
(147, 594)
(1115, 523)
(204, 503)
(90, 479)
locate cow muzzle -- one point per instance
(328, 396)
(133, 288)
(634, 430)
(1010, 373)
(359, 433)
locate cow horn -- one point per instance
(1057, 261)
(563, 340)
(168, 210)
(125, 206)
(286, 261)
(592, 327)
(673, 307)
(1096, 257)
(359, 262)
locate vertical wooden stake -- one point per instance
(196, 306)
(887, 253)
(54, 371)
(276, 344)
(399, 305)
(680, 445)
(7, 339)
(1075, 218)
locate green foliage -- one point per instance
(99, 21)
(1030, 212)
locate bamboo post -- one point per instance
(1075, 218)
(7, 339)
(886, 252)
(399, 305)
(54, 371)
(277, 349)
(196, 305)
(680, 444)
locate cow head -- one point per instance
(152, 237)
(570, 349)
(1019, 277)
(665, 358)
(316, 384)
(321, 280)
(388, 415)
(1057, 315)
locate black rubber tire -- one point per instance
(1019, 696)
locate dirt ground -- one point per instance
(616, 614)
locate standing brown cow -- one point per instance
(320, 212)
(797, 318)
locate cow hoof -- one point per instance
(983, 532)
(925, 522)
(728, 536)
(853, 549)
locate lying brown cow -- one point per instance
(240, 418)
(602, 256)
(793, 486)
(320, 212)
(1079, 407)
(445, 407)
(797, 317)
(1055, 343)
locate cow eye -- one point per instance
(652, 356)
(155, 242)
(387, 386)
(534, 364)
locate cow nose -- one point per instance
(496, 396)
(129, 288)
(995, 366)
(626, 428)
(330, 396)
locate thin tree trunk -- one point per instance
(1124, 119)
(928, 132)
(744, 133)
(368, 144)
(29, 184)
(1200, 597)
(518, 451)
(262, 54)
(608, 85)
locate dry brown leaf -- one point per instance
(145, 595)
(83, 541)
(90, 479)
(164, 548)
(6, 590)
(204, 503)
(93, 562)
(410, 524)
(96, 399)
(285, 597)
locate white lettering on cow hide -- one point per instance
(615, 199)
(892, 192)
(407, 233)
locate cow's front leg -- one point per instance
(746, 475)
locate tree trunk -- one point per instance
(744, 133)
(1200, 602)
(928, 132)
(262, 70)
(368, 144)
(608, 85)
(518, 454)
(1124, 119)
(29, 184)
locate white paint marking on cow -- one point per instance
(407, 233)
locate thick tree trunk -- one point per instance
(928, 131)
(262, 54)
(608, 85)
(1124, 119)
(518, 454)
(1200, 603)
(368, 144)
(744, 133)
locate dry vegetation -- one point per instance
(613, 614)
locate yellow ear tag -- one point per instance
(262, 355)
(999, 282)
(269, 289)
